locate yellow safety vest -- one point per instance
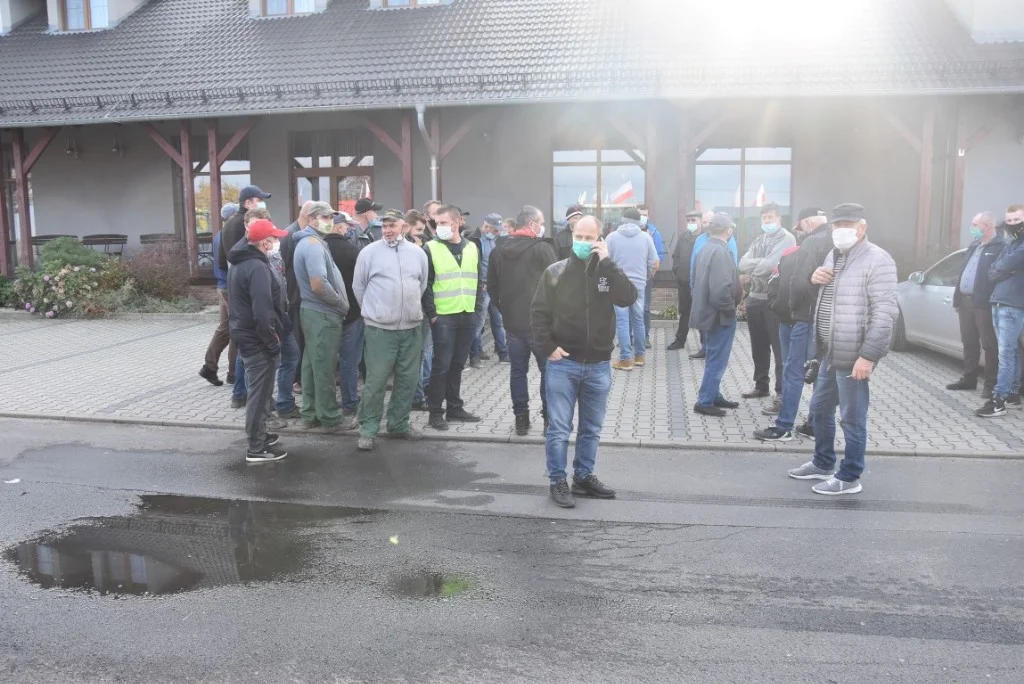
(454, 285)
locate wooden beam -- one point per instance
(20, 153)
(924, 196)
(383, 136)
(234, 141)
(698, 140)
(189, 195)
(39, 148)
(407, 196)
(651, 167)
(628, 133)
(6, 258)
(167, 147)
(461, 132)
(213, 154)
(901, 128)
(687, 167)
(435, 142)
(956, 212)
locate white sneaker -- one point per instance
(809, 471)
(833, 486)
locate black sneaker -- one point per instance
(290, 414)
(438, 422)
(964, 383)
(476, 363)
(272, 439)
(774, 434)
(238, 403)
(230, 379)
(676, 344)
(461, 415)
(699, 355)
(993, 408)
(484, 356)
(806, 430)
(504, 358)
(265, 455)
(1013, 401)
(987, 393)
(722, 402)
(523, 424)
(210, 377)
(561, 495)
(591, 486)
(709, 410)
(420, 405)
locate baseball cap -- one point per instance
(462, 211)
(392, 215)
(320, 209)
(228, 210)
(494, 220)
(366, 204)
(694, 214)
(249, 192)
(342, 217)
(720, 221)
(574, 211)
(847, 212)
(808, 213)
(631, 214)
(261, 229)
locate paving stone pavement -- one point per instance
(147, 370)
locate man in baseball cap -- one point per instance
(366, 218)
(257, 325)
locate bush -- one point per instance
(160, 271)
(128, 299)
(71, 290)
(69, 252)
(8, 297)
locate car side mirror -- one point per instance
(916, 277)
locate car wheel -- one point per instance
(899, 335)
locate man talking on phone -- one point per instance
(573, 323)
(853, 320)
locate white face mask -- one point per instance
(261, 205)
(444, 232)
(844, 238)
(643, 220)
(394, 243)
(540, 231)
(275, 248)
(692, 227)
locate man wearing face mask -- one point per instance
(572, 320)
(633, 251)
(681, 269)
(324, 304)
(698, 245)
(451, 302)
(389, 281)
(1008, 314)
(487, 239)
(659, 247)
(257, 320)
(756, 268)
(368, 227)
(971, 302)
(854, 319)
(251, 197)
(563, 239)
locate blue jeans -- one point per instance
(351, 353)
(425, 364)
(520, 346)
(1008, 322)
(497, 329)
(835, 388)
(567, 383)
(453, 336)
(630, 319)
(795, 339)
(648, 293)
(286, 373)
(239, 391)
(718, 343)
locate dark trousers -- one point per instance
(521, 346)
(764, 343)
(453, 336)
(977, 333)
(221, 339)
(685, 304)
(259, 372)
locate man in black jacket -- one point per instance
(344, 247)
(516, 266)
(681, 269)
(573, 322)
(563, 238)
(251, 197)
(971, 302)
(257, 323)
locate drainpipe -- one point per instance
(421, 111)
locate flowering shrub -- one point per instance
(160, 271)
(70, 290)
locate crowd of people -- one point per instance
(401, 300)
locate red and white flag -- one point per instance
(623, 193)
(762, 197)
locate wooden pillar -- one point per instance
(435, 138)
(189, 195)
(651, 168)
(6, 258)
(23, 161)
(687, 168)
(924, 196)
(407, 196)
(213, 154)
(956, 212)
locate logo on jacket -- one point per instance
(602, 284)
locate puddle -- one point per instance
(429, 584)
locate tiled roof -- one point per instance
(183, 58)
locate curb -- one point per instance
(9, 314)
(660, 444)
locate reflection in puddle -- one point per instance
(425, 584)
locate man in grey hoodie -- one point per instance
(323, 306)
(389, 281)
(634, 252)
(756, 267)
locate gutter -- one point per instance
(421, 111)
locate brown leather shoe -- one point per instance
(626, 365)
(756, 393)
(639, 361)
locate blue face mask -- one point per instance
(582, 249)
(976, 233)
(692, 227)
(769, 228)
(488, 236)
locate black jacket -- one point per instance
(344, 250)
(681, 257)
(515, 268)
(803, 295)
(983, 284)
(780, 285)
(563, 243)
(256, 320)
(574, 308)
(233, 231)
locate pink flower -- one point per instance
(32, 309)
(50, 314)
(46, 278)
(28, 307)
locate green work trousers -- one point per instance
(386, 351)
(322, 333)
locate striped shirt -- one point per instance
(823, 320)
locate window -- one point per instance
(740, 180)
(84, 15)
(331, 166)
(605, 182)
(282, 8)
(946, 272)
(234, 175)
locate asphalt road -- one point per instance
(155, 555)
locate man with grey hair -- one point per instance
(971, 302)
(287, 256)
(698, 245)
(716, 293)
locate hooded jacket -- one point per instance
(574, 308)
(313, 259)
(388, 284)
(231, 233)
(1008, 274)
(256, 315)
(517, 264)
(562, 243)
(659, 243)
(634, 252)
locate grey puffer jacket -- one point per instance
(865, 306)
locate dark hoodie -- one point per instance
(256, 320)
(803, 294)
(516, 266)
(345, 250)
